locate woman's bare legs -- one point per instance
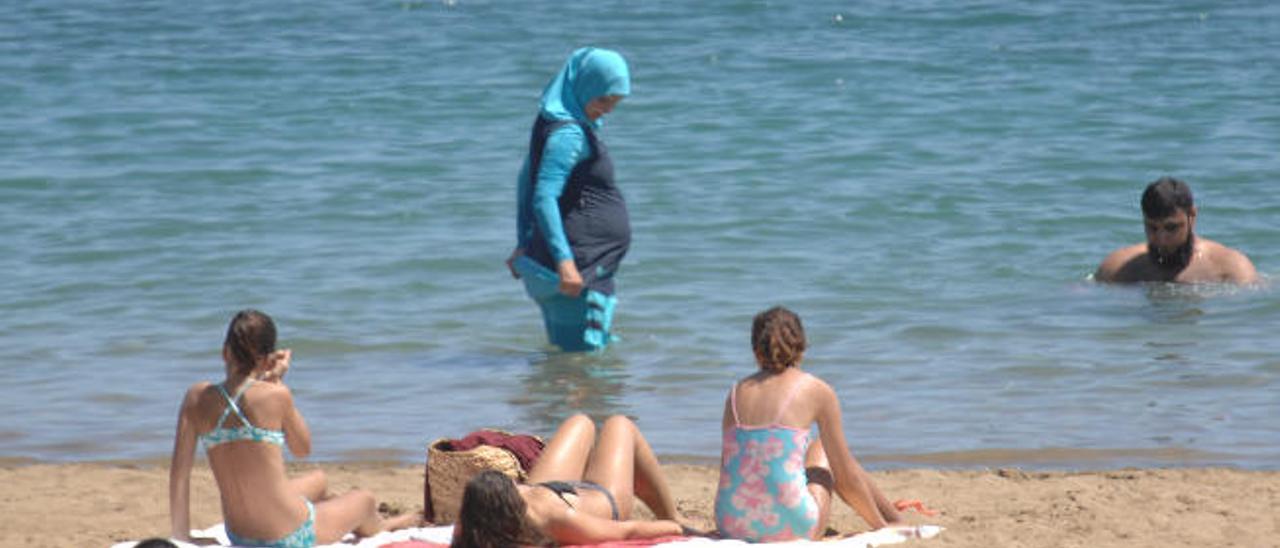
(624, 463)
(821, 484)
(355, 511)
(565, 456)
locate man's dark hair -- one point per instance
(1165, 197)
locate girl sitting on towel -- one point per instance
(581, 491)
(245, 422)
(774, 483)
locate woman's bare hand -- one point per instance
(570, 278)
(511, 261)
(278, 365)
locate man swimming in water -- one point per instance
(1173, 252)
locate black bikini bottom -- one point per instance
(560, 488)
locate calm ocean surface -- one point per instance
(929, 184)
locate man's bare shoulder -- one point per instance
(1233, 265)
(1115, 267)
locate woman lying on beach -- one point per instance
(245, 422)
(774, 484)
(576, 494)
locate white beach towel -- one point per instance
(443, 534)
(869, 539)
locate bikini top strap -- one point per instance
(231, 404)
(560, 488)
(795, 389)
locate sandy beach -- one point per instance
(95, 504)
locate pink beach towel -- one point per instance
(636, 543)
(415, 544)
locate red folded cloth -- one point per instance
(524, 447)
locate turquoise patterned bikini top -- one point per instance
(245, 432)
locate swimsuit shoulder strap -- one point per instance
(231, 404)
(733, 403)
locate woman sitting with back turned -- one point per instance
(581, 491)
(776, 483)
(245, 421)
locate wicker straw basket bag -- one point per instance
(448, 472)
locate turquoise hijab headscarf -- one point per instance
(589, 73)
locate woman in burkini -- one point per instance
(244, 422)
(581, 491)
(572, 227)
(775, 484)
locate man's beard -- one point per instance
(1175, 260)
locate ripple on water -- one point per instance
(117, 399)
(931, 221)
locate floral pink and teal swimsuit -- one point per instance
(764, 494)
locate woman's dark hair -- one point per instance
(1166, 196)
(492, 515)
(777, 338)
(250, 337)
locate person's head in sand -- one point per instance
(493, 514)
(777, 339)
(1173, 252)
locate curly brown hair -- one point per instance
(777, 338)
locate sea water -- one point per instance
(928, 184)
